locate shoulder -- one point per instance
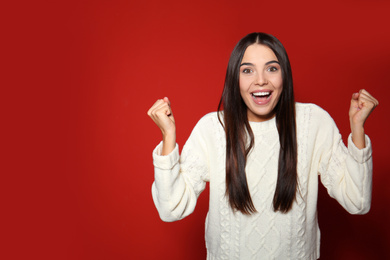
(301, 107)
(209, 122)
(210, 116)
(207, 130)
(311, 111)
(209, 119)
(314, 120)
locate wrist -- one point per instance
(358, 136)
(169, 143)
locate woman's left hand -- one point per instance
(362, 104)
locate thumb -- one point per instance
(355, 100)
(169, 112)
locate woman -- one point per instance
(261, 154)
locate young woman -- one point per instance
(262, 154)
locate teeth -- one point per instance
(260, 94)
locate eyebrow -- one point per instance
(251, 64)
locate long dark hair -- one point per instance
(239, 135)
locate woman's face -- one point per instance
(261, 82)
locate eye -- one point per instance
(247, 71)
(273, 69)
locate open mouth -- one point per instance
(261, 96)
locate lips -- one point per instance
(261, 97)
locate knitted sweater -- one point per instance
(345, 172)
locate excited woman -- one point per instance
(262, 153)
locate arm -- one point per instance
(347, 173)
(179, 180)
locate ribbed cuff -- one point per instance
(360, 155)
(165, 162)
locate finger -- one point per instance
(160, 110)
(355, 100)
(162, 113)
(364, 100)
(169, 104)
(361, 99)
(158, 105)
(155, 105)
(355, 97)
(368, 100)
(368, 97)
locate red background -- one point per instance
(78, 78)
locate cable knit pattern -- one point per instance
(301, 197)
(345, 172)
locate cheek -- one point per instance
(242, 87)
(278, 82)
(280, 90)
(241, 83)
(243, 94)
(244, 84)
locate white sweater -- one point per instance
(345, 172)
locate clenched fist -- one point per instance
(362, 104)
(161, 114)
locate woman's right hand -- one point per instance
(161, 114)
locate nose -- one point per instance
(261, 79)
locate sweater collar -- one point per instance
(264, 126)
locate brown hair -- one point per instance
(238, 130)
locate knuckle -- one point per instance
(159, 113)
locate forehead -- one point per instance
(258, 52)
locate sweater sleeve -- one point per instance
(345, 172)
(179, 180)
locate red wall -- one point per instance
(80, 76)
